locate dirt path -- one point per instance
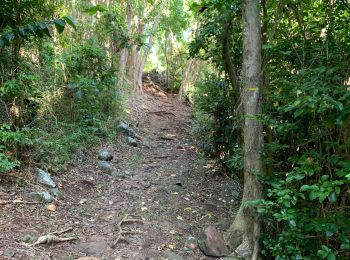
(169, 191)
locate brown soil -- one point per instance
(170, 191)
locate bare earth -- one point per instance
(162, 199)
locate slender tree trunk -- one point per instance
(141, 58)
(189, 77)
(125, 52)
(244, 233)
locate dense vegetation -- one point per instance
(66, 68)
(306, 107)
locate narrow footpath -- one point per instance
(155, 205)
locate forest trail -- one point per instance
(169, 191)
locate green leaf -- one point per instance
(31, 28)
(305, 188)
(43, 27)
(9, 36)
(59, 24)
(22, 32)
(2, 42)
(71, 21)
(93, 9)
(332, 197)
(324, 177)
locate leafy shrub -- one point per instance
(91, 92)
(215, 127)
(309, 189)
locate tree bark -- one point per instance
(142, 59)
(125, 52)
(188, 77)
(244, 233)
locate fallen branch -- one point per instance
(3, 202)
(162, 112)
(52, 238)
(121, 232)
(166, 138)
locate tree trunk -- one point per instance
(244, 233)
(188, 77)
(139, 55)
(125, 52)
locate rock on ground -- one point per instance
(132, 141)
(105, 167)
(40, 196)
(126, 129)
(213, 243)
(44, 178)
(104, 155)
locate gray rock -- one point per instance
(29, 238)
(104, 155)
(118, 174)
(40, 196)
(9, 253)
(213, 243)
(56, 193)
(132, 141)
(244, 250)
(173, 256)
(105, 167)
(126, 129)
(44, 178)
(80, 155)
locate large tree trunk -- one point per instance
(244, 233)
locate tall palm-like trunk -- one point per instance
(244, 233)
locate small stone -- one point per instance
(40, 196)
(132, 141)
(80, 155)
(126, 129)
(104, 155)
(173, 256)
(44, 178)
(56, 193)
(105, 167)
(29, 238)
(213, 243)
(191, 243)
(9, 253)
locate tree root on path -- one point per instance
(4, 202)
(127, 219)
(52, 238)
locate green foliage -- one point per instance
(10, 143)
(90, 92)
(58, 95)
(306, 112)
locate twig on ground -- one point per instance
(166, 138)
(162, 112)
(3, 202)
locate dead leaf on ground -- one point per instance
(51, 207)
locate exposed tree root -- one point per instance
(127, 219)
(52, 238)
